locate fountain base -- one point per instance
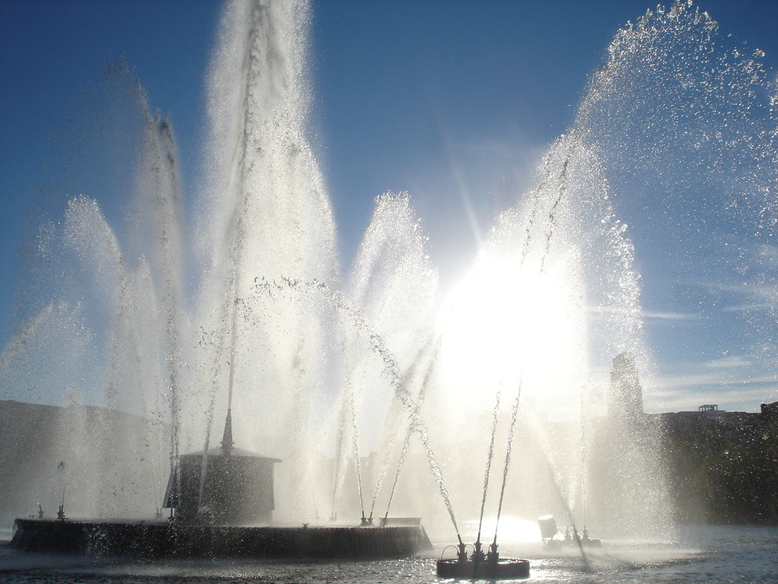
(504, 569)
(166, 539)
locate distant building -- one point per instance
(769, 412)
(625, 398)
(721, 465)
(711, 411)
(712, 425)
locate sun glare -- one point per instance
(505, 325)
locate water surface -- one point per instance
(699, 554)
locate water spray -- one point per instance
(495, 415)
(509, 447)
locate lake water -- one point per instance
(700, 554)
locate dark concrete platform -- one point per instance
(163, 539)
(505, 569)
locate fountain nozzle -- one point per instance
(461, 552)
(478, 553)
(493, 555)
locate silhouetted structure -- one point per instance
(625, 398)
(237, 488)
(769, 413)
(721, 465)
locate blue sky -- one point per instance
(450, 101)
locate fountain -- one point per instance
(241, 312)
(264, 340)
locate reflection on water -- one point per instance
(700, 554)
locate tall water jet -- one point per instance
(264, 216)
(114, 301)
(552, 292)
(395, 287)
(267, 334)
(555, 285)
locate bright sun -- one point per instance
(506, 325)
